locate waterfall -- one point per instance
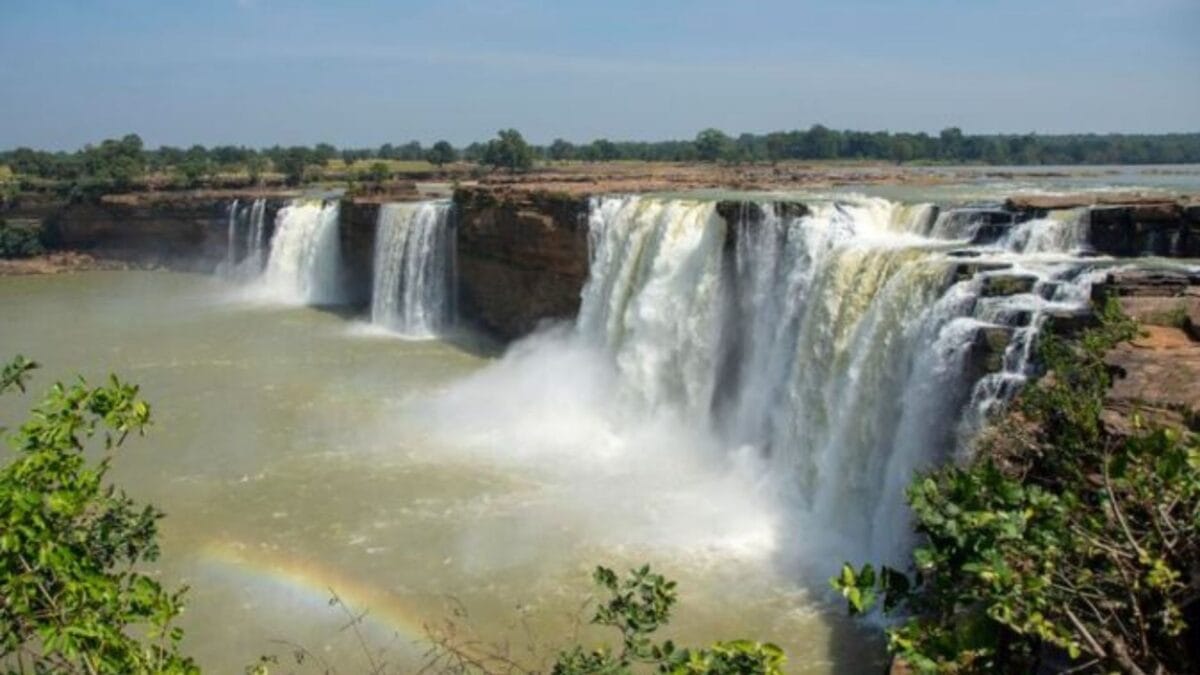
(1059, 232)
(303, 264)
(414, 269)
(252, 263)
(838, 347)
(230, 239)
(249, 265)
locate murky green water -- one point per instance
(291, 455)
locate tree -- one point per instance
(323, 153)
(561, 150)
(73, 600)
(441, 153)
(951, 142)
(293, 163)
(255, 165)
(712, 144)
(603, 150)
(509, 150)
(379, 172)
(1061, 542)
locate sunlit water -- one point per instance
(298, 455)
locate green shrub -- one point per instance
(71, 598)
(1060, 543)
(19, 242)
(637, 607)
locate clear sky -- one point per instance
(364, 72)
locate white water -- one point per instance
(812, 362)
(303, 264)
(250, 263)
(414, 286)
(231, 239)
(1059, 232)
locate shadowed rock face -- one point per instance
(357, 221)
(183, 233)
(522, 257)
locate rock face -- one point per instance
(357, 223)
(997, 285)
(1146, 229)
(177, 231)
(1158, 374)
(1125, 225)
(522, 257)
(1165, 298)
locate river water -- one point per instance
(299, 454)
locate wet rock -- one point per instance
(968, 270)
(1047, 290)
(964, 253)
(999, 285)
(990, 225)
(1192, 213)
(1142, 229)
(1068, 322)
(756, 212)
(986, 353)
(1145, 282)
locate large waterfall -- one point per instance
(303, 263)
(414, 269)
(836, 344)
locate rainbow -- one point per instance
(314, 583)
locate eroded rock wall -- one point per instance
(522, 257)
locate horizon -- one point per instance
(260, 73)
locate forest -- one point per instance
(126, 163)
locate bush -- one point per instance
(637, 607)
(19, 242)
(1061, 547)
(71, 599)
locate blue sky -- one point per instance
(361, 73)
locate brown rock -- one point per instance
(1157, 375)
(522, 257)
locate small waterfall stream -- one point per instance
(414, 287)
(248, 265)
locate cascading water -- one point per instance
(252, 264)
(303, 264)
(231, 239)
(835, 346)
(249, 265)
(1059, 232)
(767, 376)
(414, 269)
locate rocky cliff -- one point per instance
(522, 257)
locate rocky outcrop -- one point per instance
(1156, 375)
(522, 257)
(1125, 225)
(998, 285)
(175, 230)
(1143, 229)
(357, 223)
(1168, 298)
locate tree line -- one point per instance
(119, 163)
